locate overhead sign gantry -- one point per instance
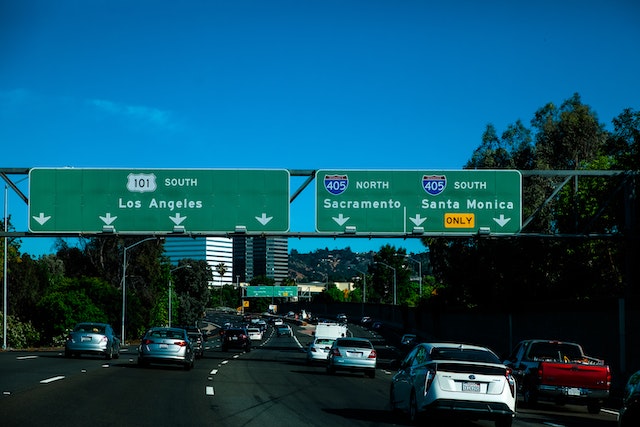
(414, 201)
(64, 200)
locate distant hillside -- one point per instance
(327, 265)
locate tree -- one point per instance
(192, 289)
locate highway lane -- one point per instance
(269, 386)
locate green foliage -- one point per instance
(70, 302)
(192, 289)
(19, 334)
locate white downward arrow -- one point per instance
(417, 220)
(341, 219)
(108, 219)
(502, 221)
(177, 219)
(264, 219)
(42, 219)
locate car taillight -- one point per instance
(608, 376)
(540, 372)
(104, 339)
(373, 354)
(511, 381)
(181, 343)
(335, 352)
(147, 341)
(428, 379)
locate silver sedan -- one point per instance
(166, 346)
(352, 354)
(92, 338)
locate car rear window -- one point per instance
(96, 329)
(324, 341)
(464, 354)
(554, 351)
(354, 343)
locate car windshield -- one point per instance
(354, 343)
(464, 354)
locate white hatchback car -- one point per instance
(454, 380)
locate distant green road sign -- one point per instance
(410, 201)
(271, 291)
(161, 200)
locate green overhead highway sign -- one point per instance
(416, 202)
(271, 291)
(154, 201)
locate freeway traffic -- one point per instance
(272, 385)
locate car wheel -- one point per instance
(504, 422)
(371, 373)
(413, 408)
(392, 401)
(109, 354)
(529, 397)
(188, 366)
(593, 407)
(330, 369)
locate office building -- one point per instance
(213, 250)
(261, 257)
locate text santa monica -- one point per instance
(471, 204)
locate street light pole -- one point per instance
(364, 288)
(394, 280)
(124, 280)
(170, 293)
(4, 272)
(419, 271)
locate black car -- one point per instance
(235, 338)
(197, 339)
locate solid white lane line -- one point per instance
(52, 379)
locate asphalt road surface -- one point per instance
(272, 385)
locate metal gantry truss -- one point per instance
(626, 187)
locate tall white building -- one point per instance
(213, 250)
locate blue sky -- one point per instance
(310, 84)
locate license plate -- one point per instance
(84, 339)
(573, 392)
(163, 346)
(471, 387)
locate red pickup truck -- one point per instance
(559, 371)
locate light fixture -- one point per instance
(350, 229)
(241, 229)
(178, 229)
(418, 230)
(484, 231)
(108, 229)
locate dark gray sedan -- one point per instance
(166, 346)
(92, 338)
